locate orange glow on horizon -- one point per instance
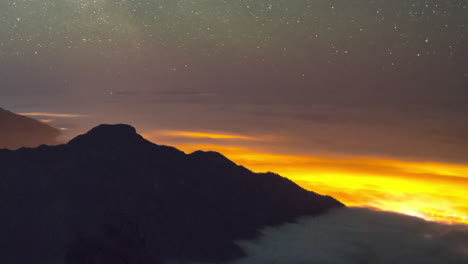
(429, 190)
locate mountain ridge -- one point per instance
(110, 190)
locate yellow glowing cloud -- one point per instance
(433, 191)
(192, 134)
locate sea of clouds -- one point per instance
(357, 235)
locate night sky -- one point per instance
(336, 80)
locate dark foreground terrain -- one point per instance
(110, 196)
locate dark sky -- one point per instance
(367, 77)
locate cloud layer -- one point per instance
(354, 235)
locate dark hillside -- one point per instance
(110, 196)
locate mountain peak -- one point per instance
(103, 134)
(116, 130)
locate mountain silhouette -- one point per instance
(18, 131)
(110, 196)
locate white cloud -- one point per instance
(355, 235)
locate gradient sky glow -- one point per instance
(380, 83)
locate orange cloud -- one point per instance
(194, 135)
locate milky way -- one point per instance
(390, 35)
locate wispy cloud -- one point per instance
(193, 134)
(210, 135)
(41, 114)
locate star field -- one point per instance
(397, 32)
(398, 59)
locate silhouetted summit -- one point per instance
(18, 131)
(119, 131)
(108, 135)
(110, 196)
